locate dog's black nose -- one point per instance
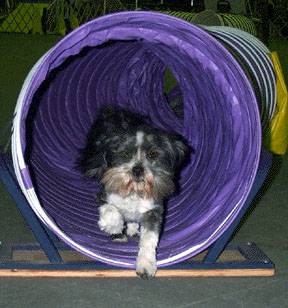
(137, 171)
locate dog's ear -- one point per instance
(92, 161)
(181, 149)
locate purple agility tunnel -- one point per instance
(121, 60)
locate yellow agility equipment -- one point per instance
(277, 138)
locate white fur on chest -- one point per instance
(131, 207)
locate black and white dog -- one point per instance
(136, 165)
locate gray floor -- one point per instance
(266, 225)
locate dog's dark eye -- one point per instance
(152, 154)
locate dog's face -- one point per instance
(137, 159)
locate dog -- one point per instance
(136, 165)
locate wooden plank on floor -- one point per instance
(110, 273)
(29, 261)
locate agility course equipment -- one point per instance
(120, 60)
(211, 18)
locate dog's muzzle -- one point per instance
(138, 173)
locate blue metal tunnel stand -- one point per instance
(221, 259)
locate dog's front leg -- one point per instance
(110, 220)
(150, 227)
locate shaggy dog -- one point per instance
(136, 165)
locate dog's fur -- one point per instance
(136, 166)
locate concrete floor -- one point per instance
(266, 225)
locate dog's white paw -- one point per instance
(146, 268)
(132, 229)
(110, 221)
